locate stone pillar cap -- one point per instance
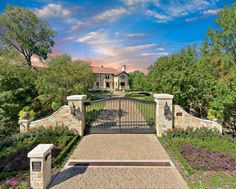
(24, 121)
(163, 96)
(40, 151)
(76, 97)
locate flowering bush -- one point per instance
(17, 182)
(203, 159)
(213, 180)
(208, 158)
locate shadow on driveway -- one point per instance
(66, 174)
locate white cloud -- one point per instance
(101, 18)
(157, 54)
(137, 2)
(91, 37)
(191, 19)
(140, 47)
(177, 9)
(161, 18)
(162, 54)
(110, 15)
(193, 5)
(113, 50)
(160, 49)
(136, 35)
(98, 38)
(53, 10)
(148, 54)
(211, 11)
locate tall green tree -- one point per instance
(62, 78)
(137, 81)
(17, 89)
(26, 33)
(223, 39)
(223, 107)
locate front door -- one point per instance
(122, 84)
(107, 85)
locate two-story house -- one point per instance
(110, 78)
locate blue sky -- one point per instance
(131, 32)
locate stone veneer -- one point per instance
(183, 120)
(61, 117)
(163, 122)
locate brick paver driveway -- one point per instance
(123, 148)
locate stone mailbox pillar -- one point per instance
(76, 103)
(164, 113)
(40, 166)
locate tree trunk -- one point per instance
(29, 63)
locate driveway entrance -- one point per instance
(119, 161)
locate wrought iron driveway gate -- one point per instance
(120, 115)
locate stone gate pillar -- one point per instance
(76, 103)
(164, 113)
(40, 166)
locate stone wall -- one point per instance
(61, 117)
(183, 120)
(71, 116)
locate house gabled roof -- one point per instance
(123, 72)
(105, 70)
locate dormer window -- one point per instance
(122, 76)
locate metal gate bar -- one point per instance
(120, 115)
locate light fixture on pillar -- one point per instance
(166, 110)
(74, 110)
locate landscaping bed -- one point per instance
(207, 158)
(140, 95)
(14, 149)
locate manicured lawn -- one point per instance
(93, 111)
(148, 112)
(208, 158)
(14, 149)
(139, 95)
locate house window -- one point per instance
(98, 76)
(107, 77)
(122, 76)
(107, 85)
(97, 84)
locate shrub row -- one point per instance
(13, 150)
(61, 157)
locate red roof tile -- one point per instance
(104, 70)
